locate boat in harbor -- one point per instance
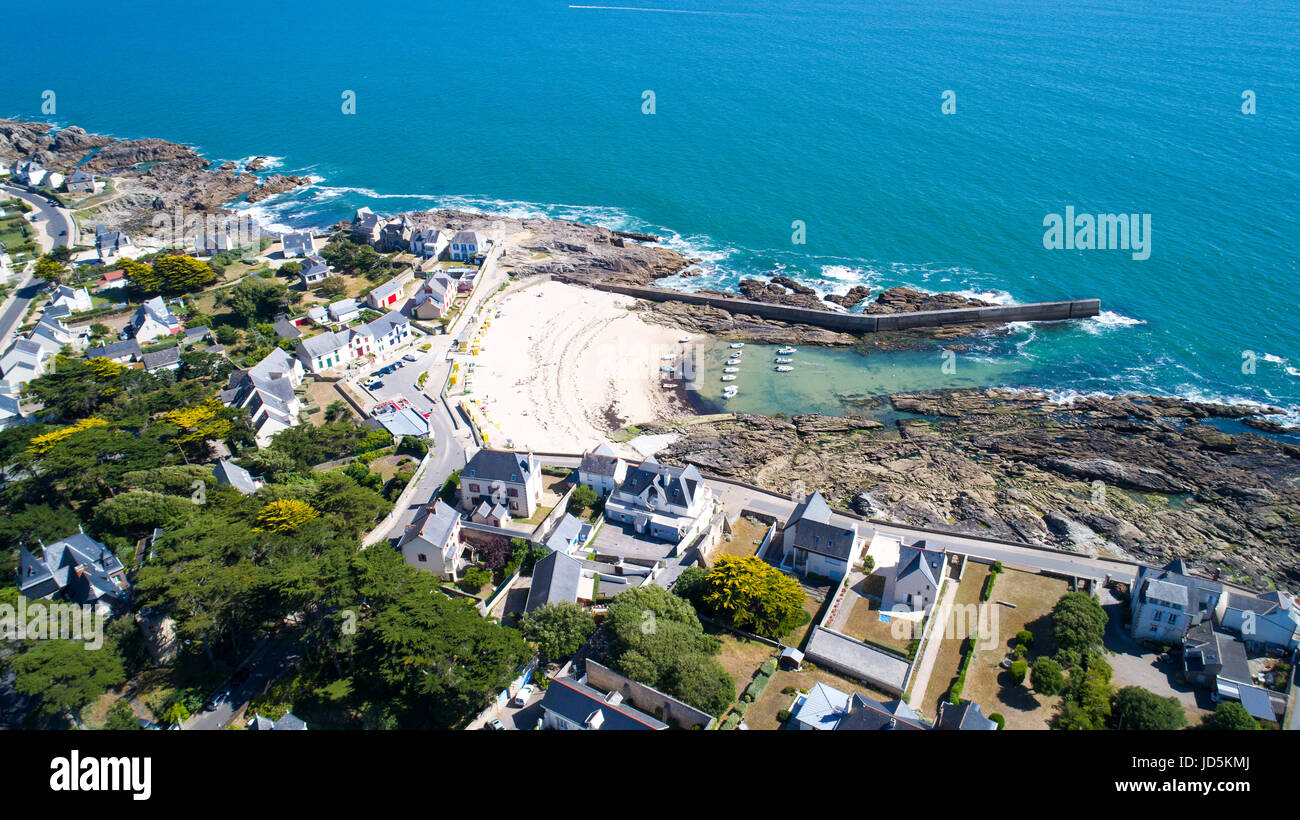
(785, 350)
(731, 370)
(728, 378)
(737, 345)
(783, 368)
(783, 360)
(684, 339)
(730, 391)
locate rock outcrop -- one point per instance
(1132, 476)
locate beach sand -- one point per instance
(563, 366)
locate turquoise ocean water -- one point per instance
(826, 112)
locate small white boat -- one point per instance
(668, 369)
(785, 350)
(667, 357)
(783, 360)
(684, 340)
(730, 391)
(737, 345)
(731, 370)
(728, 378)
(783, 368)
(734, 356)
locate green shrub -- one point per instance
(783, 715)
(997, 718)
(732, 721)
(769, 667)
(1025, 637)
(1018, 671)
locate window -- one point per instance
(1156, 618)
(473, 488)
(512, 492)
(514, 506)
(423, 558)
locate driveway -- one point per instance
(524, 718)
(57, 226)
(1136, 666)
(266, 664)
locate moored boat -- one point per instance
(783, 368)
(728, 378)
(784, 350)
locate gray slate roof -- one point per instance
(555, 579)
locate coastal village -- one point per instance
(506, 436)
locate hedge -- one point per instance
(954, 693)
(769, 667)
(988, 582)
(732, 721)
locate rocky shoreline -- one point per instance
(153, 175)
(1138, 477)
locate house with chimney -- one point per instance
(914, 584)
(153, 320)
(466, 245)
(505, 477)
(78, 570)
(814, 544)
(267, 391)
(602, 470)
(434, 297)
(669, 503)
(432, 541)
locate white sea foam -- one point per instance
(1109, 320)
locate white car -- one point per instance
(522, 696)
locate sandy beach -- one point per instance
(563, 366)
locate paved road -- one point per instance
(57, 225)
(12, 317)
(452, 445)
(267, 663)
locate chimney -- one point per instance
(596, 720)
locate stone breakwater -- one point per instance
(854, 324)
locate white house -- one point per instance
(429, 243)
(77, 300)
(153, 320)
(669, 503)
(602, 470)
(266, 391)
(432, 541)
(314, 270)
(344, 311)
(111, 245)
(10, 413)
(389, 331)
(297, 244)
(465, 245)
(915, 583)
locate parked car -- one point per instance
(374, 385)
(218, 699)
(525, 692)
(495, 723)
(409, 357)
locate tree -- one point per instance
(751, 594)
(656, 638)
(291, 268)
(285, 515)
(1017, 671)
(1136, 708)
(171, 275)
(332, 286)
(255, 299)
(692, 585)
(583, 497)
(1047, 678)
(121, 717)
(558, 629)
(51, 269)
(65, 676)
(1078, 622)
(1230, 716)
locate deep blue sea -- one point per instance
(827, 112)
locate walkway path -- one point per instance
(938, 626)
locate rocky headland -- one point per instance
(1145, 478)
(151, 175)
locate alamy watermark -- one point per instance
(52, 620)
(1110, 232)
